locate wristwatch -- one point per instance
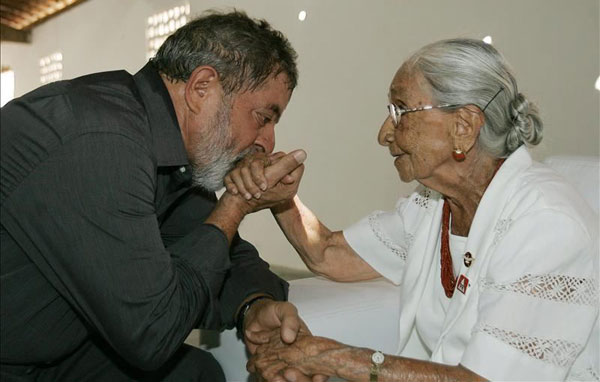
(377, 359)
(242, 314)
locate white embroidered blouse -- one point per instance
(528, 304)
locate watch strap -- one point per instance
(242, 313)
(377, 359)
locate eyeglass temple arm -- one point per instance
(495, 95)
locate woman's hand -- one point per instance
(281, 177)
(248, 178)
(307, 355)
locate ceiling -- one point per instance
(19, 17)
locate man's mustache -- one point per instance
(249, 151)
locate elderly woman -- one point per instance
(495, 254)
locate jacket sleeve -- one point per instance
(247, 273)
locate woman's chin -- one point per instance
(405, 178)
(406, 174)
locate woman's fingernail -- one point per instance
(299, 155)
(257, 195)
(248, 196)
(263, 186)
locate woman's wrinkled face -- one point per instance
(421, 143)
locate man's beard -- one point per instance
(214, 156)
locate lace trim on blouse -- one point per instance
(585, 374)
(400, 251)
(423, 198)
(559, 288)
(500, 229)
(554, 351)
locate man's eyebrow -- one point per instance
(276, 110)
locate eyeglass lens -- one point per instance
(393, 113)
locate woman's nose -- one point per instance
(386, 132)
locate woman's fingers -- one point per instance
(257, 170)
(293, 374)
(269, 367)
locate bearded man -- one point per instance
(114, 245)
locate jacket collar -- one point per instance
(166, 134)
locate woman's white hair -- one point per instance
(468, 71)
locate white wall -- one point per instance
(349, 51)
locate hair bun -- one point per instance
(526, 123)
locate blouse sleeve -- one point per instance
(538, 302)
(380, 239)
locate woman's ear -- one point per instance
(469, 121)
(202, 83)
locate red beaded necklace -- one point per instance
(447, 275)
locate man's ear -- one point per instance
(202, 83)
(469, 121)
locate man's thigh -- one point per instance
(95, 363)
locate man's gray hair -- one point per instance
(468, 71)
(244, 51)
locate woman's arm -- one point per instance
(324, 252)
(319, 355)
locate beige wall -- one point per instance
(349, 50)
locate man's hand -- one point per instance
(279, 323)
(266, 318)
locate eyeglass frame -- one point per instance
(396, 112)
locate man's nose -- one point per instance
(386, 132)
(266, 138)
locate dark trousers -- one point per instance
(97, 364)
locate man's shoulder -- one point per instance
(62, 112)
(114, 90)
(108, 102)
(116, 82)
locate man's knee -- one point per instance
(192, 364)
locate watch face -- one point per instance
(377, 358)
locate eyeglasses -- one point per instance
(396, 112)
